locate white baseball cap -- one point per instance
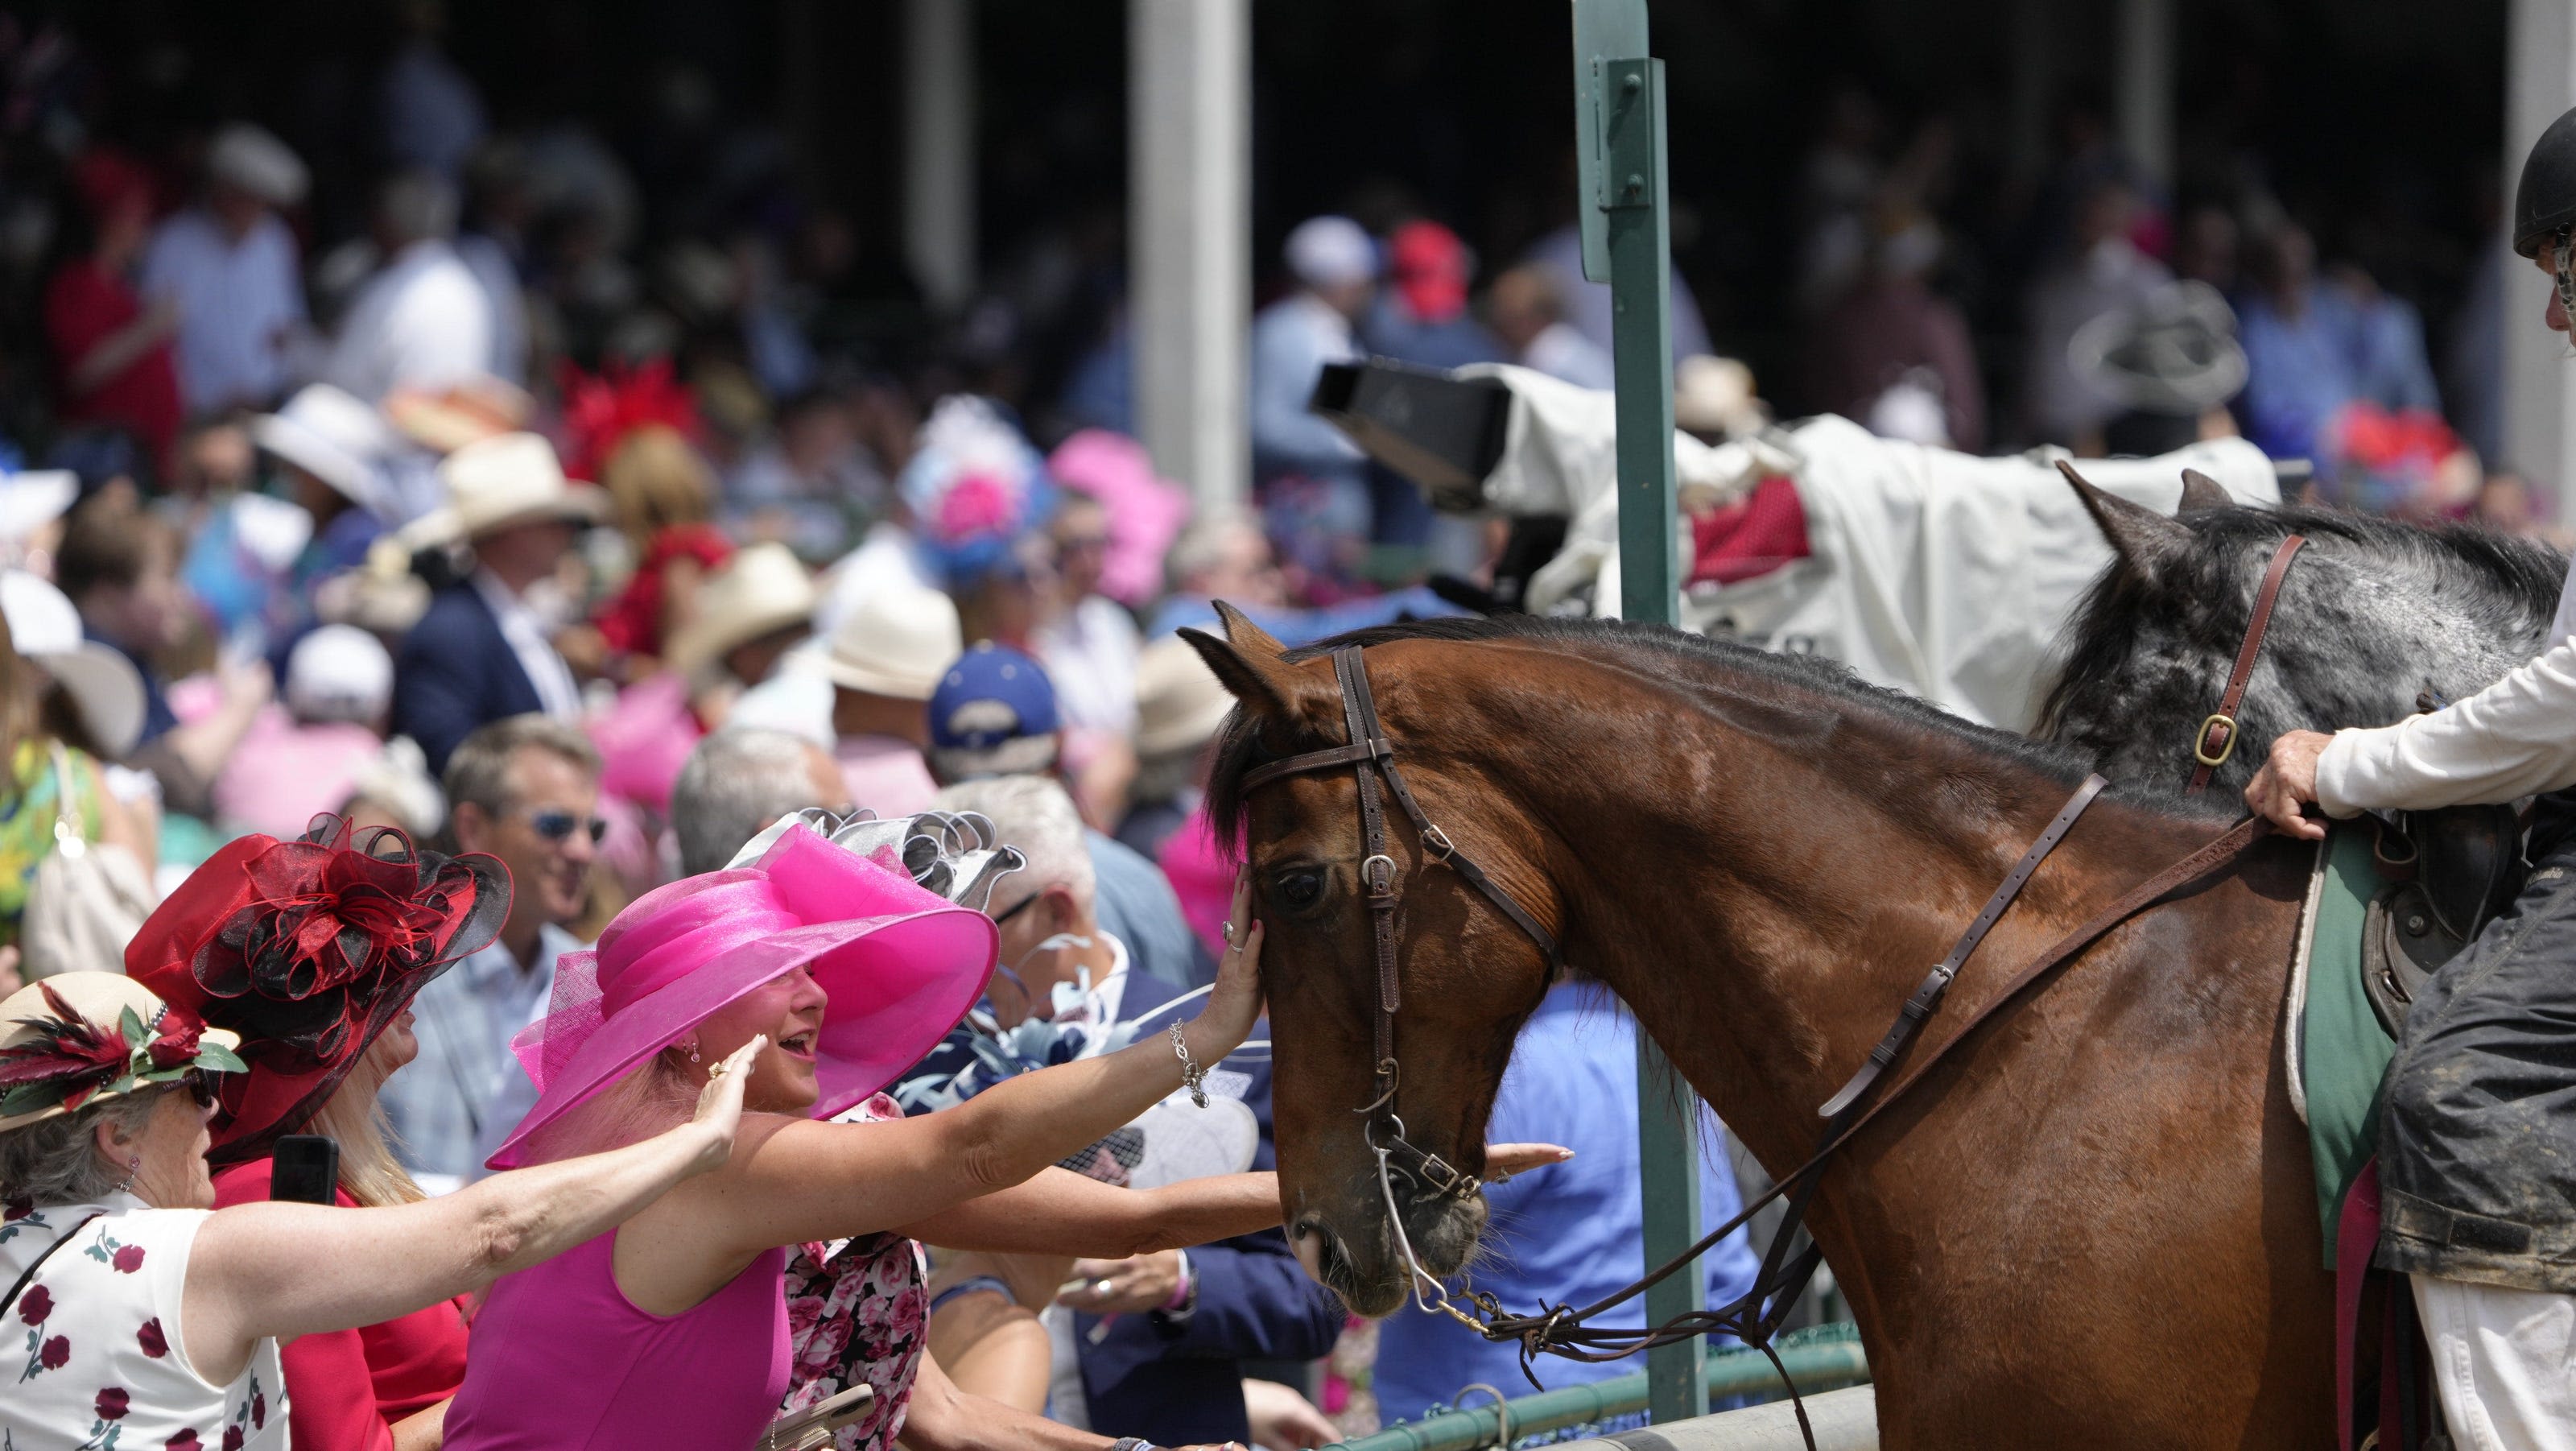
(103, 684)
(337, 673)
(1331, 251)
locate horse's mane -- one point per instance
(1690, 661)
(2504, 577)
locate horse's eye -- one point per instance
(1301, 887)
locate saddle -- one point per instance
(2449, 873)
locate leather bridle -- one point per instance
(1755, 1317)
(1369, 755)
(2215, 741)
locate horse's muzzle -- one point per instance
(1367, 1267)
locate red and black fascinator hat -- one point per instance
(308, 949)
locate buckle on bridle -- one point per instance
(2203, 752)
(1378, 875)
(1437, 843)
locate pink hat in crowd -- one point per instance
(902, 966)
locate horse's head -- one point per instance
(2373, 612)
(1467, 977)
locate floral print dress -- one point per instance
(91, 1357)
(857, 1310)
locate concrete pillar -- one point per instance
(1189, 245)
(939, 148)
(2144, 65)
(2539, 382)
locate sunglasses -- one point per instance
(554, 824)
(200, 1086)
(1016, 908)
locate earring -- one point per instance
(693, 1050)
(133, 1167)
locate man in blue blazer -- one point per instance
(484, 651)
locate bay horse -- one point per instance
(2091, 1225)
(2373, 613)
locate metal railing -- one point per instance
(1822, 1357)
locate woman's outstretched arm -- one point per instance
(285, 1269)
(795, 1180)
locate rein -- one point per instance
(1754, 1317)
(2215, 741)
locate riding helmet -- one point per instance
(2544, 204)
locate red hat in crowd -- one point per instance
(308, 949)
(109, 181)
(1431, 269)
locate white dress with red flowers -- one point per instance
(91, 1358)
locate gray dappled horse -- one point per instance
(2373, 613)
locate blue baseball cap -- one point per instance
(993, 715)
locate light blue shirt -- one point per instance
(1292, 340)
(443, 1101)
(1564, 1235)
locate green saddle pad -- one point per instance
(2343, 1052)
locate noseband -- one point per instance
(1369, 755)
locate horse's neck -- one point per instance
(1786, 915)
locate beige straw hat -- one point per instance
(763, 588)
(65, 1043)
(1180, 704)
(500, 482)
(897, 642)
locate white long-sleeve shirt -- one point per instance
(2515, 738)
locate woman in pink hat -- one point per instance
(675, 1331)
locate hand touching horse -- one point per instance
(2091, 1226)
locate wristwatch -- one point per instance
(1133, 1443)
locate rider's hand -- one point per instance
(720, 1106)
(2287, 782)
(1221, 1027)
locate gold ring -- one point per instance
(718, 1071)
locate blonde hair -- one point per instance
(355, 1116)
(655, 1095)
(656, 479)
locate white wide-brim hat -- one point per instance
(332, 436)
(501, 482)
(104, 685)
(32, 499)
(762, 589)
(898, 642)
(1180, 704)
(249, 157)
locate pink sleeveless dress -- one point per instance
(562, 1361)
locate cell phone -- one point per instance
(307, 1169)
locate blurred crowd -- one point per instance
(551, 504)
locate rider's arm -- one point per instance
(2515, 738)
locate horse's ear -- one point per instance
(1244, 635)
(1254, 669)
(2200, 491)
(2140, 536)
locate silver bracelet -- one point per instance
(1193, 1077)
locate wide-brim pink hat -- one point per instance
(901, 965)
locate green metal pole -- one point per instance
(1642, 348)
(1619, 122)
